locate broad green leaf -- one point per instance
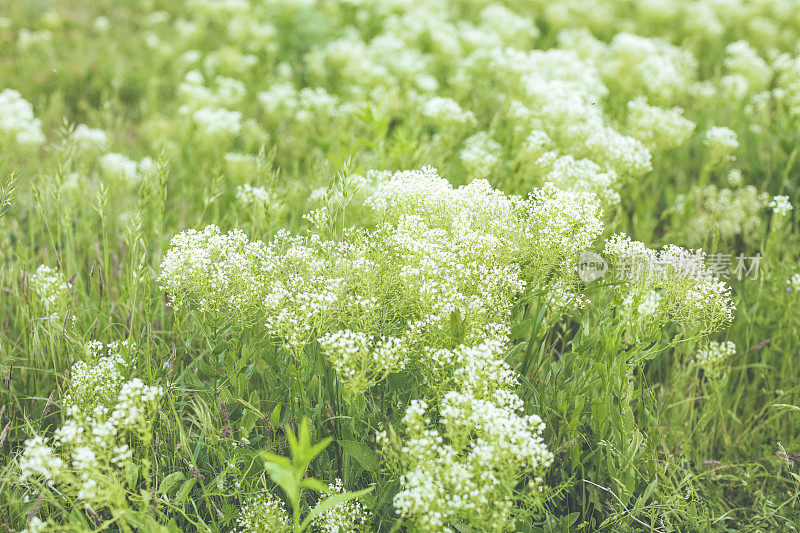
(183, 492)
(283, 476)
(362, 454)
(170, 481)
(275, 416)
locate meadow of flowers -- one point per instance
(399, 265)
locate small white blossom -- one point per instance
(780, 205)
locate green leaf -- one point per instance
(255, 401)
(649, 490)
(277, 459)
(248, 421)
(304, 433)
(230, 364)
(132, 474)
(294, 446)
(183, 492)
(170, 481)
(225, 395)
(243, 385)
(329, 503)
(318, 448)
(284, 476)
(275, 416)
(314, 484)
(362, 454)
(248, 406)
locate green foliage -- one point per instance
(290, 475)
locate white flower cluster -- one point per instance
(780, 205)
(657, 128)
(715, 354)
(225, 265)
(480, 154)
(468, 469)
(51, 288)
(216, 123)
(120, 167)
(438, 252)
(477, 369)
(282, 102)
(463, 462)
(555, 92)
(742, 61)
(17, 121)
(360, 360)
(583, 175)
(39, 461)
(195, 95)
(447, 264)
(721, 143)
(97, 380)
(399, 64)
(250, 196)
(446, 111)
(793, 283)
(104, 408)
(649, 66)
(607, 107)
(724, 213)
(644, 307)
(688, 291)
(36, 525)
(263, 512)
(87, 138)
(346, 517)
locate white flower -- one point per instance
(689, 291)
(89, 138)
(51, 286)
(467, 470)
(715, 353)
(721, 142)
(18, 121)
(647, 305)
(446, 111)
(263, 512)
(360, 360)
(780, 205)
(253, 196)
(217, 123)
(120, 167)
(35, 525)
(480, 154)
(83, 458)
(38, 460)
(346, 517)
